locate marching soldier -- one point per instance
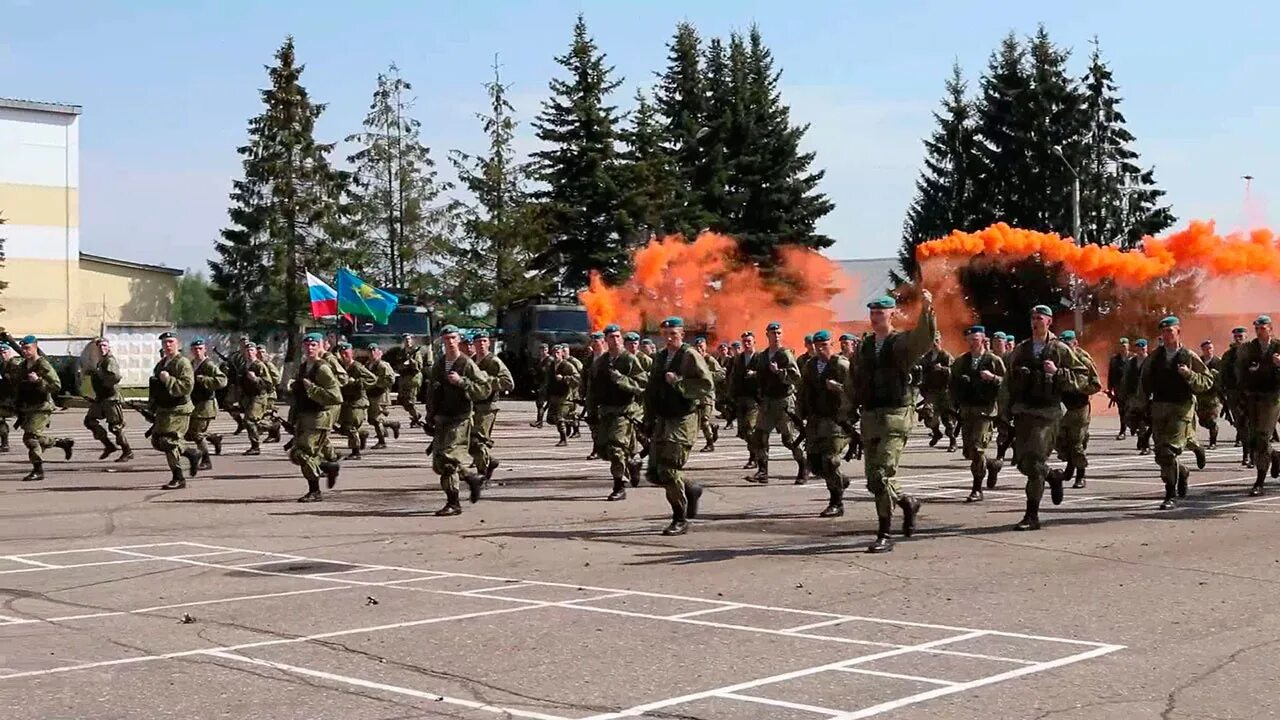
(596, 350)
(1116, 368)
(37, 382)
(730, 412)
(106, 405)
(208, 379)
(576, 394)
(236, 405)
(1073, 429)
(1171, 379)
(9, 360)
(724, 402)
(936, 410)
(778, 373)
(379, 397)
(884, 399)
(541, 365)
(1258, 377)
(272, 393)
(1234, 397)
(1209, 402)
(678, 383)
(1040, 369)
(1004, 419)
(706, 411)
(633, 344)
(316, 395)
(354, 410)
(408, 361)
(617, 387)
(500, 382)
(805, 356)
(1137, 411)
(976, 377)
(744, 386)
(562, 378)
(169, 395)
(255, 384)
(849, 344)
(826, 385)
(454, 384)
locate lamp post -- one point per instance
(1076, 300)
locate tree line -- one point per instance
(711, 147)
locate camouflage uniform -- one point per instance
(777, 407)
(825, 411)
(1172, 400)
(617, 386)
(706, 410)
(379, 401)
(208, 380)
(937, 411)
(1258, 378)
(450, 409)
(486, 413)
(562, 379)
(1137, 410)
(976, 399)
(1209, 402)
(1233, 396)
(354, 410)
(409, 365)
(671, 410)
(8, 397)
(744, 386)
(316, 394)
(35, 408)
(1073, 429)
(106, 405)
(170, 399)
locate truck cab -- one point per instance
(526, 324)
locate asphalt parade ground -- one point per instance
(543, 601)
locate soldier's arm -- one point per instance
(385, 376)
(1241, 369)
(954, 381)
(694, 380)
(475, 382)
(791, 373)
(806, 376)
(1201, 378)
(1144, 380)
(49, 379)
(110, 375)
(633, 381)
(718, 373)
(181, 379)
(569, 374)
(919, 340)
(505, 380)
(260, 369)
(324, 389)
(592, 399)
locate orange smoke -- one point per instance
(703, 283)
(1198, 247)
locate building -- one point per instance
(55, 290)
(869, 279)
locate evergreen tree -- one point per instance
(944, 199)
(580, 169)
(500, 228)
(395, 189)
(287, 213)
(650, 175)
(680, 100)
(1056, 135)
(1001, 133)
(711, 173)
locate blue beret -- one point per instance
(466, 338)
(1169, 322)
(884, 302)
(372, 346)
(814, 337)
(631, 336)
(28, 340)
(1262, 320)
(773, 326)
(1068, 335)
(673, 322)
(1009, 338)
(198, 342)
(448, 330)
(480, 334)
(975, 329)
(311, 337)
(1042, 310)
(1239, 331)
(1141, 342)
(344, 345)
(748, 334)
(846, 336)
(167, 335)
(820, 336)
(611, 328)
(646, 341)
(724, 345)
(735, 344)
(597, 335)
(999, 335)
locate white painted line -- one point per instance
(779, 703)
(695, 613)
(979, 656)
(814, 626)
(72, 567)
(990, 680)
(9, 620)
(105, 549)
(509, 586)
(25, 561)
(896, 676)
(370, 685)
(341, 572)
(681, 700)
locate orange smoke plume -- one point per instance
(702, 282)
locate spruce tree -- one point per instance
(287, 213)
(500, 234)
(582, 198)
(711, 173)
(1056, 133)
(1001, 133)
(680, 100)
(650, 178)
(396, 192)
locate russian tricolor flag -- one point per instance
(324, 299)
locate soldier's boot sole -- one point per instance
(252, 451)
(205, 463)
(1168, 504)
(619, 491)
(126, 456)
(380, 445)
(313, 496)
(107, 451)
(33, 476)
(910, 512)
(692, 496)
(708, 448)
(1183, 475)
(882, 543)
(833, 510)
(975, 496)
(1028, 523)
(1055, 480)
(174, 484)
(1256, 490)
(677, 527)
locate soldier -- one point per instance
(37, 382)
(379, 397)
(562, 378)
(8, 391)
(408, 361)
(576, 394)
(847, 349)
(976, 377)
(1040, 370)
(882, 395)
(454, 384)
(541, 365)
(849, 344)
(936, 411)
(677, 384)
(316, 395)
(723, 404)
(1115, 382)
(106, 405)
(255, 384)
(731, 410)
(778, 374)
(804, 357)
(710, 430)
(486, 408)
(1258, 377)
(823, 404)
(271, 417)
(236, 405)
(169, 395)
(596, 350)
(744, 385)
(1136, 408)
(617, 387)
(1004, 420)
(1233, 396)
(1209, 402)
(1171, 379)
(1073, 429)
(632, 344)
(207, 380)
(354, 410)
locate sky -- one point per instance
(167, 88)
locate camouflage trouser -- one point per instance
(350, 424)
(1138, 420)
(669, 444)
(560, 409)
(1262, 412)
(615, 441)
(1073, 436)
(407, 387)
(1172, 424)
(166, 436)
(254, 409)
(706, 411)
(198, 433)
(111, 411)
(975, 438)
(884, 435)
(1034, 437)
(937, 411)
(34, 425)
(6, 412)
(378, 418)
(775, 413)
(481, 440)
(310, 436)
(1208, 410)
(747, 411)
(449, 450)
(825, 443)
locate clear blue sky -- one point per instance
(168, 86)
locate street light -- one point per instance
(1075, 233)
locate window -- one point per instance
(563, 320)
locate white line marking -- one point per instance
(897, 676)
(814, 626)
(939, 692)
(114, 547)
(979, 656)
(138, 557)
(695, 613)
(37, 563)
(9, 620)
(510, 586)
(357, 682)
(341, 572)
(779, 703)
(681, 700)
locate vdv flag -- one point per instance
(358, 297)
(324, 299)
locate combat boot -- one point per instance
(254, 449)
(474, 484)
(193, 461)
(563, 435)
(241, 425)
(633, 472)
(125, 456)
(1056, 480)
(762, 471)
(935, 435)
(273, 434)
(1275, 464)
(1168, 503)
(975, 495)
(354, 455)
(751, 461)
(715, 436)
(835, 506)
(108, 449)
(802, 468)
(1201, 460)
(177, 482)
(692, 495)
(679, 525)
(1069, 472)
(1256, 490)
(619, 490)
(216, 442)
(910, 509)
(452, 505)
(65, 444)
(1079, 483)
(37, 473)
(1213, 436)
(205, 462)
(330, 470)
(395, 428)
(380, 445)
(882, 543)
(1183, 475)
(1030, 520)
(951, 439)
(488, 471)
(994, 467)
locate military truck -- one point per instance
(412, 319)
(526, 324)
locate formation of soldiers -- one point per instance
(845, 398)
